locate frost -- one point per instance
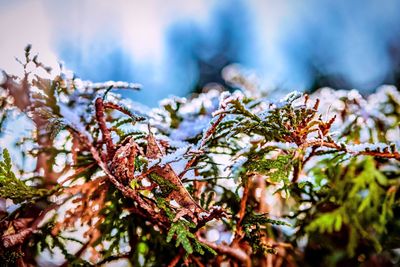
(73, 119)
(367, 146)
(281, 145)
(208, 101)
(203, 214)
(172, 157)
(135, 107)
(354, 95)
(11, 207)
(173, 100)
(292, 96)
(274, 143)
(174, 203)
(145, 182)
(175, 142)
(190, 128)
(264, 114)
(113, 84)
(226, 98)
(236, 167)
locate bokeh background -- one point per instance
(177, 47)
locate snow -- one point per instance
(173, 100)
(194, 124)
(11, 207)
(175, 143)
(368, 110)
(135, 107)
(209, 101)
(226, 98)
(264, 114)
(178, 155)
(174, 204)
(357, 148)
(113, 84)
(237, 165)
(145, 182)
(281, 145)
(290, 97)
(190, 128)
(71, 117)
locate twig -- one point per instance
(197, 261)
(243, 202)
(100, 117)
(242, 212)
(235, 253)
(176, 259)
(207, 135)
(113, 258)
(126, 191)
(321, 143)
(122, 110)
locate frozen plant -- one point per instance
(214, 179)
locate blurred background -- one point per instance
(177, 47)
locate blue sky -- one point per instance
(172, 47)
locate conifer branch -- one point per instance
(217, 178)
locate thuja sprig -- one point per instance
(180, 230)
(13, 188)
(203, 174)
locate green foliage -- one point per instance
(165, 185)
(45, 239)
(180, 230)
(277, 123)
(277, 169)
(247, 159)
(360, 196)
(172, 109)
(255, 228)
(329, 222)
(261, 219)
(13, 188)
(114, 229)
(10, 257)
